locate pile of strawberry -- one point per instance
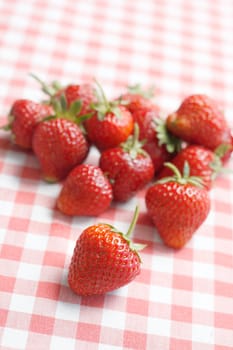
(183, 152)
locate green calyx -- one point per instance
(132, 145)
(171, 142)
(133, 246)
(216, 165)
(137, 90)
(103, 106)
(72, 113)
(182, 179)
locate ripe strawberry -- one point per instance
(86, 191)
(198, 120)
(23, 118)
(202, 162)
(59, 145)
(128, 167)
(177, 207)
(103, 260)
(72, 93)
(110, 124)
(152, 130)
(137, 99)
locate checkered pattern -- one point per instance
(181, 300)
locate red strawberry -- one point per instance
(152, 131)
(104, 259)
(83, 93)
(198, 120)
(23, 118)
(86, 191)
(177, 207)
(59, 145)
(72, 93)
(137, 99)
(202, 162)
(128, 167)
(111, 123)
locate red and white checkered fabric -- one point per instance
(182, 299)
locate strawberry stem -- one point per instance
(133, 222)
(132, 145)
(45, 88)
(181, 179)
(102, 95)
(174, 169)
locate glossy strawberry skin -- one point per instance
(86, 191)
(199, 121)
(59, 146)
(177, 211)
(144, 113)
(110, 131)
(102, 261)
(24, 116)
(199, 159)
(127, 174)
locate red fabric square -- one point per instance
(180, 344)
(60, 230)
(48, 290)
(224, 289)
(42, 324)
(137, 306)
(25, 197)
(134, 340)
(182, 282)
(3, 317)
(144, 276)
(7, 283)
(222, 320)
(18, 224)
(10, 252)
(181, 313)
(54, 259)
(89, 332)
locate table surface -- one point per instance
(182, 299)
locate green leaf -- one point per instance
(6, 127)
(172, 143)
(50, 117)
(75, 108)
(222, 149)
(63, 103)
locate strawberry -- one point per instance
(110, 124)
(137, 99)
(177, 206)
(128, 167)
(202, 162)
(199, 120)
(59, 145)
(23, 118)
(152, 131)
(72, 93)
(103, 260)
(86, 191)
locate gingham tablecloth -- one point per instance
(183, 299)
